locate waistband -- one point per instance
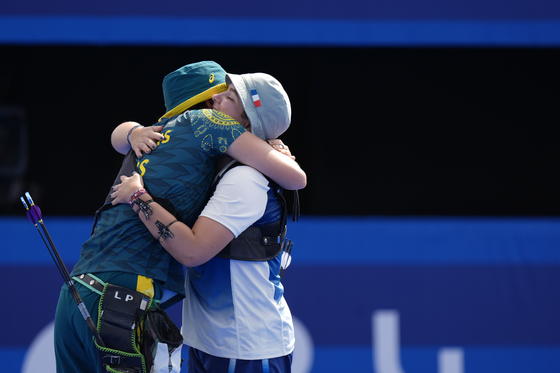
(91, 282)
(96, 283)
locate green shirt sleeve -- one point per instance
(214, 130)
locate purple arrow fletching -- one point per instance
(30, 217)
(28, 212)
(35, 212)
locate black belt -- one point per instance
(86, 279)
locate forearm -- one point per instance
(141, 139)
(283, 170)
(119, 137)
(191, 247)
(252, 151)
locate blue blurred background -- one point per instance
(428, 130)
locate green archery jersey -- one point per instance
(181, 170)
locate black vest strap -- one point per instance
(257, 243)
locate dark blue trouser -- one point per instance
(200, 362)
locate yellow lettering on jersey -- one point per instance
(142, 166)
(166, 138)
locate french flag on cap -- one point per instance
(255, 96)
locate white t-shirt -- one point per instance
(236, 309)
(239, 199)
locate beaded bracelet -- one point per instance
(164, 231)
(136, 195)
(129, 132)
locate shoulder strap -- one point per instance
(279, 191)
(257, 243)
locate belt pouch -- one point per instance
(121, 312)
(162, 343)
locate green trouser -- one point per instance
(74, 345)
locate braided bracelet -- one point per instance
(136, 195)
(164, 231)
(145, 207)
(129, 132)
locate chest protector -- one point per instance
(264, 242)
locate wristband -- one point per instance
(129, 132)
(136, 195)
(145, 207)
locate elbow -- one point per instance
(302, 181)
(114, 140)
(191, 261)
(188, 261)
(299, 181)
(117, 145)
